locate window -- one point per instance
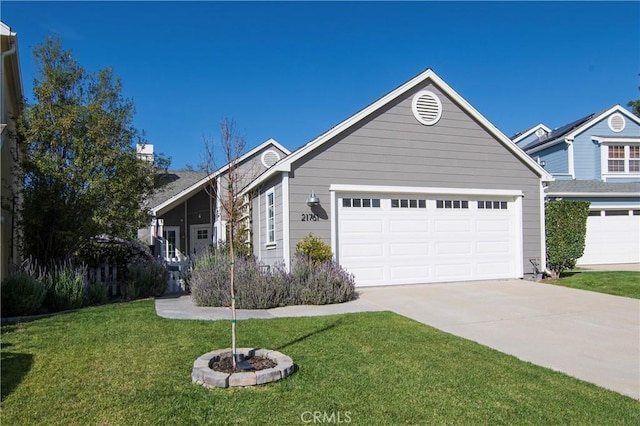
(452, 204)
(271, 217)
(202, 234)
(616, 212)
(171, 236)
(361, 202)
(623, 159)
(408, 204)
(493, 205)
(595, 213)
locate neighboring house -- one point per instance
(596, 159)
(188, 216)
(417, 187)
(9, 186)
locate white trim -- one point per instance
(165, 244)
(259, 247)
(286, 244)
(196, 186)
(545, 146)
(543, 228)
(571, 159)
(193, 231)
(270, 243)
(425, 190)
(518, 225)
(531, 131)
(616, 207)
(616, 140)
(605, 143)
(286, 163)
(334, 223)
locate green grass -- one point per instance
(625, 284)
(121, 364)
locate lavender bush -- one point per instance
(259, 287)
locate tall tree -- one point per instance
(81, 173)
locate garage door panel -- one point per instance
(359, 226)
(454, 271)
(408, 225)
(461, 248)
(493, 269)
(408, 273)
(486, 225)
(409, 249)
(355, 251)
(493, 247)
(452, 226)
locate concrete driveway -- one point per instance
(592, 336)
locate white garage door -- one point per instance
(388, 239)
(613, 236)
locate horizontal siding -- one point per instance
(393, 149)
(269, 256)
(556, 158)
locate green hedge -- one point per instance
(566, 227)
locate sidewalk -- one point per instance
(182, 307)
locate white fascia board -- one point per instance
(530, 131)
(547, 145)
(201, 182)
(425, 190)
(613, 139)
(286, 242)
(593, 194)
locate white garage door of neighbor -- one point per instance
(612, 237)
(401, 239)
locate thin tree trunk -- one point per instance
(232, 258)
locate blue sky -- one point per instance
(293, 70)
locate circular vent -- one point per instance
(617, 122)
(426, 107)
(540, 133)
(269, 158)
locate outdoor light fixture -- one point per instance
(313, 199)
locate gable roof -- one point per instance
(284, 165)
(571, 130)
(184, 184)
(525, 133)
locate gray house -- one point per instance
(596, 159)
(417, 187)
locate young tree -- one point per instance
(232, 145)
(81, 173)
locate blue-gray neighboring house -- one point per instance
(597, 159)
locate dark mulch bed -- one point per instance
(225, 365)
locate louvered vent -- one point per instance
(426, 107)
(269, 158)
(617, 122)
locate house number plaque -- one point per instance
(310, 217)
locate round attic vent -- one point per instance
(269, 158)
(617, 122)
(426, 107)
(540, 133)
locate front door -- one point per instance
(201, 239)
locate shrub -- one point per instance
(97, 293)
(566, 227)
(22, 294)
(259, 287)
(146, 278)
(65, 287)
(314, 249)
(322, 283)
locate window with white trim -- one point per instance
(452, 204)
(408, 204)
(270, 199)
(623, 159)
(493, 205)
(361, 202)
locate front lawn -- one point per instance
(618, 283)
(121, 364)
